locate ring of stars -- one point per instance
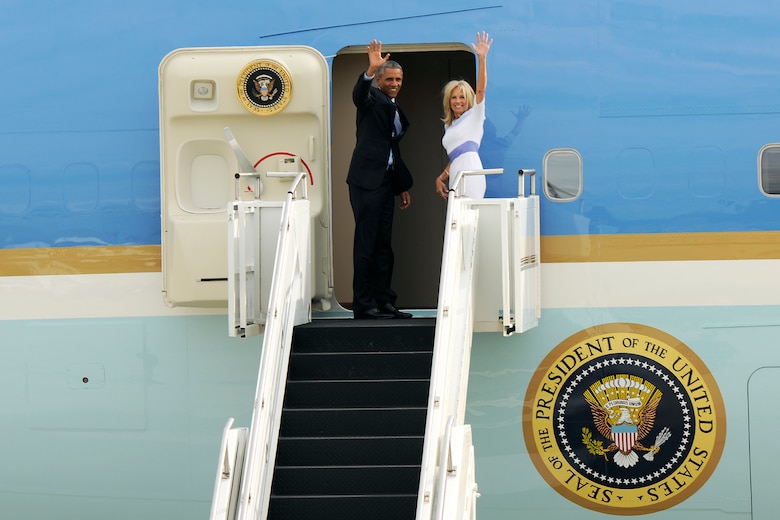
(628, 361)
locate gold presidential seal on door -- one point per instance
(264, 87)
(624, 419)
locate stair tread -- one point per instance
(340, 323)
(362, 336)
(355, 408)
(353, 437)
(387, 467)
(354, 381)
(377, 450)
(336, 497)
(319, 366)
(366, 353)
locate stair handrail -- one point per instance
(458, 186)
(289, 305)
(452, 351)
(444, 454)
(228, 481)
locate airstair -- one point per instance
(357, 419)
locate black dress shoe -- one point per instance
(373, 314)
(390, 308)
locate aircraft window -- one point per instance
(562, 173)
(769, 169)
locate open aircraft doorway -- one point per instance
(418, 232)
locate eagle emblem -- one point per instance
(264, 87)
(624, 410)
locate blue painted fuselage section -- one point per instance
(668, 105)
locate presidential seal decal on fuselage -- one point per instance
(624, 419)
(264, 87)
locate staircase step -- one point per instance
(347, 480)
(353, 422)
(364, 335)
(351, 365)
(385, 507)
(357, 394)
(349, 451)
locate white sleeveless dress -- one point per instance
(461, 140)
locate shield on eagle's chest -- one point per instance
(624, 436)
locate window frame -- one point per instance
(760, 169)
(546, 174)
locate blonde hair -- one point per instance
(468, 93)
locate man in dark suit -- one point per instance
(376, 174)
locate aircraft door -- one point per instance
(224, 111)
(418, 232)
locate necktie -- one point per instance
(397, 121)
(396, 131)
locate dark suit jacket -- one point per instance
(375, 125)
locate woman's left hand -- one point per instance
(441, 187)
(483, 44)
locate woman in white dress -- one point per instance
(464, 116)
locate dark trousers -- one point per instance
(372, 249)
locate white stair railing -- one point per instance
(289, 304)
(507, 231)
(228, 480)
(451, 357)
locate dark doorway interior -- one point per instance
(418, 231)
